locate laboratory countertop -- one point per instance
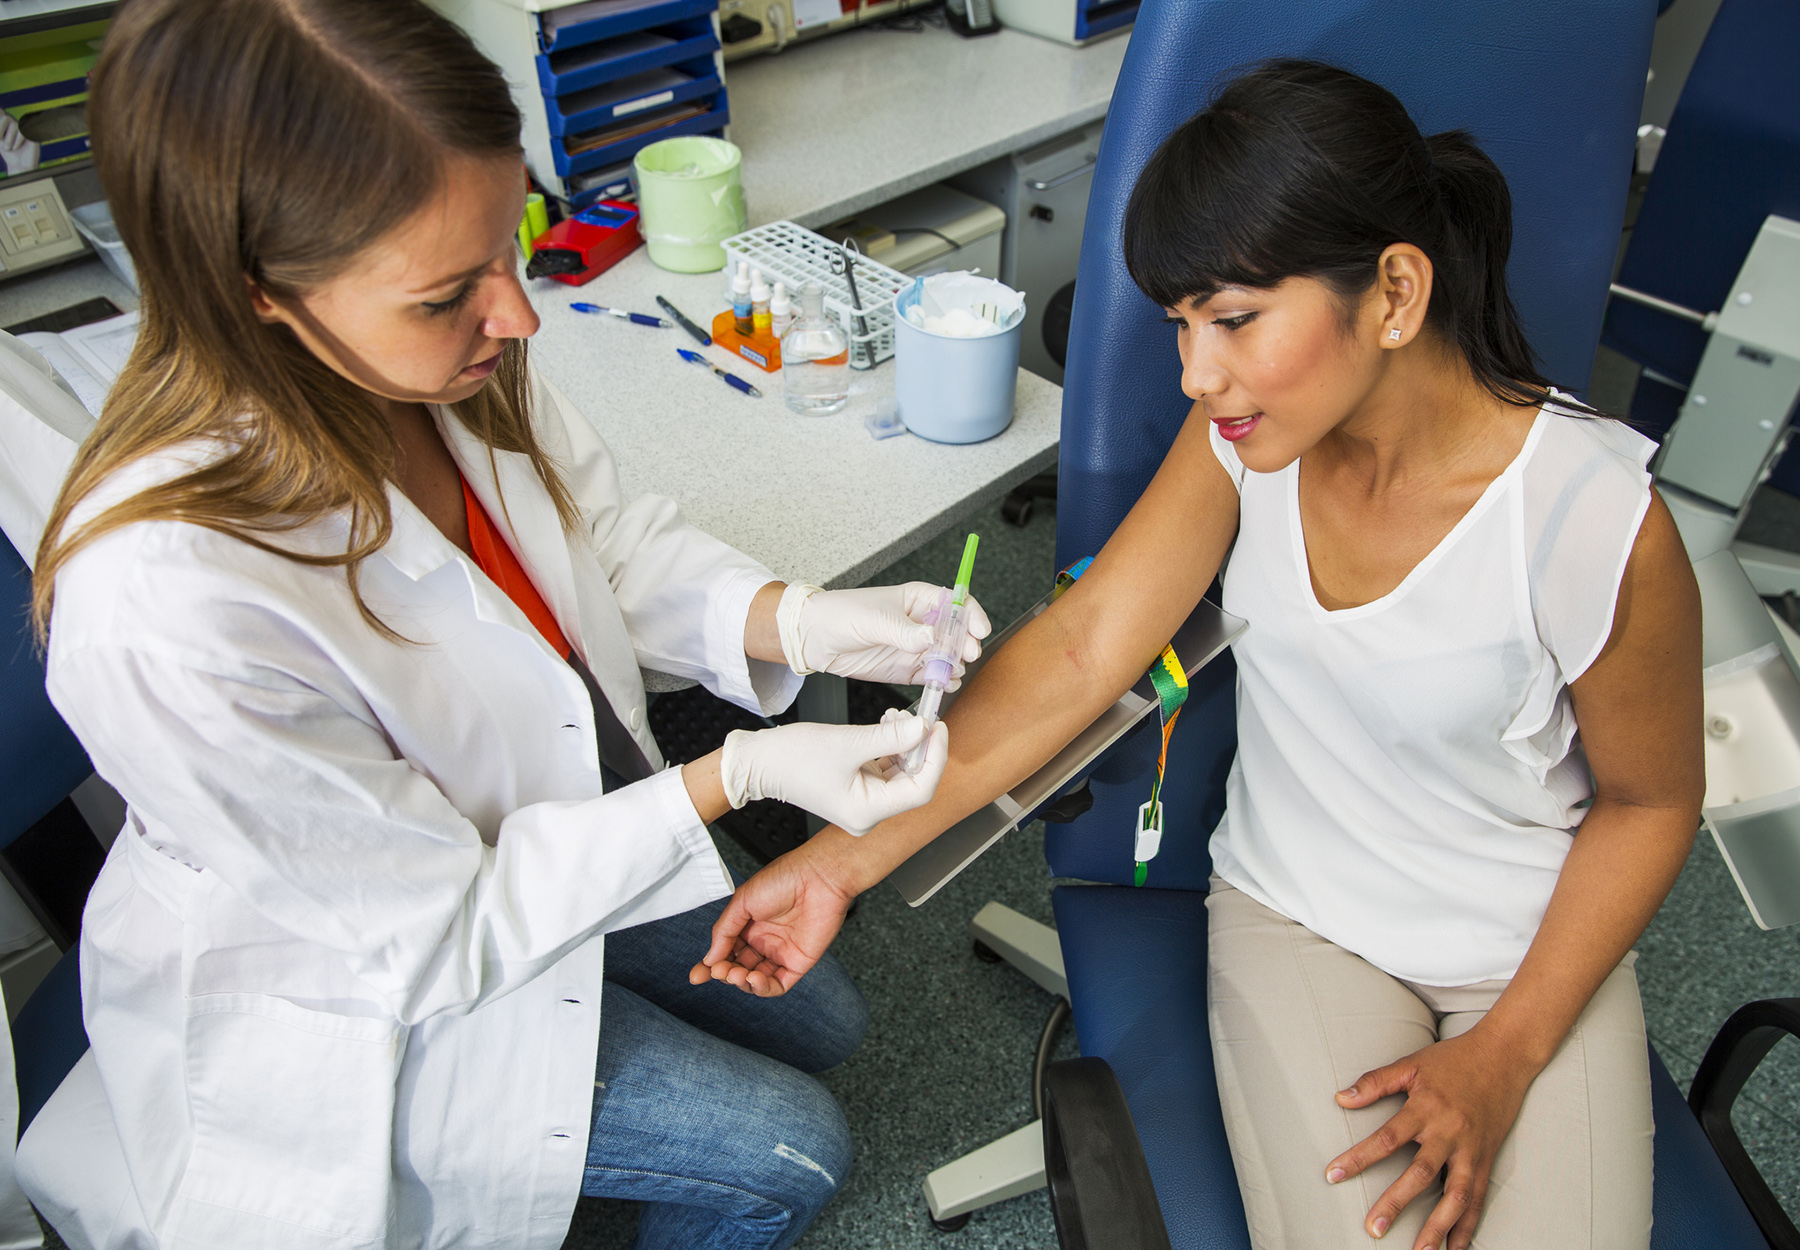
(814, 498)
(22, 299)
(827, 128)
(851, 120)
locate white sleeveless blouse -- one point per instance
(1408, 778)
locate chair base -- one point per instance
(1002, 1169)
(1014, 1164)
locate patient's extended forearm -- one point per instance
(1060, 672)
(1047, 684)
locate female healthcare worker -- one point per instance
(1424, 1019)
(346, 601)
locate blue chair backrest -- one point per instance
(1550, 88)
(1731, 158)
(40, 760)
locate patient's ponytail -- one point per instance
(1299, 169)
(1469, 295)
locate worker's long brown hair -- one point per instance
(274, 141)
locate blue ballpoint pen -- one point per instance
(636, 318)
(731, 379)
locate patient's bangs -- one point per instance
(1221, 204)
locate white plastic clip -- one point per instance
(1149, 833)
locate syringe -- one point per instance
(950, 621)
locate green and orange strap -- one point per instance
(1170, 680)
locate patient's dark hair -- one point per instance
(1299, 169)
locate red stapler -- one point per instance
(578, 248)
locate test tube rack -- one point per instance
(795, 255)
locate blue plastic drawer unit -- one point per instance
(626, 102)
(1097, 17)
(588, 65)
(618, 75)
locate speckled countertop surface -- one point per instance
(814, 498)
(35, 294)
(827, 128)
(855, 119)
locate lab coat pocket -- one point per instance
(293, 1113)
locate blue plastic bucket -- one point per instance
(953, 390)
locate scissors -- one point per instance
(842, 265)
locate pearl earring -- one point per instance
(1394, 334)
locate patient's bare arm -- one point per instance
(1032, 696)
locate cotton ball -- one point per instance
(962, 324)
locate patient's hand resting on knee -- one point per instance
(1462, 1097)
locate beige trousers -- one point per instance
(1296, 1018)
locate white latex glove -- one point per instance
(17, 153)
(877, 633)
(847, 774)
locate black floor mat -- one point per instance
(690, 723)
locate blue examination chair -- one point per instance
(1552, 90)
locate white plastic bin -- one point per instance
(1752, 743)
(953, 390)
(95, 221)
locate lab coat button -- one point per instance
(637, 718)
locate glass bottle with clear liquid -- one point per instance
(815, 359)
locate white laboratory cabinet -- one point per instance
(1044, 193)
(935, 229)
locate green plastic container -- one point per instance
(690, 199)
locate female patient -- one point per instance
(347, 602)
(1472, 632)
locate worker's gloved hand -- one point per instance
(846, 774)
(877, 633)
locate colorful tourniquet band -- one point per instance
(1170, 680)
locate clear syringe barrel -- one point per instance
(950, 634)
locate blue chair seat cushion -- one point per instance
(1696, 1207)
(1136, 964)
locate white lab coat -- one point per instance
(342, 969)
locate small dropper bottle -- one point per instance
(759, 302)
(740, 298)
(781, 311)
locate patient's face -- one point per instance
(1276, 367)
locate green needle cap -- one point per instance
(968, 567)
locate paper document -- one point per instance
(816, 12)
(89, 357)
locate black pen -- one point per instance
(700, 336)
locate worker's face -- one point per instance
(1278, 368)
(422, 315)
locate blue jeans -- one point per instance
(702, 1106)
